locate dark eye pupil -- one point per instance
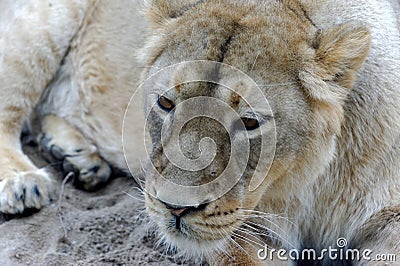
(250, 123)
(165, 103)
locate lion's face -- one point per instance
(299, 71)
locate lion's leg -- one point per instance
(62, 142)
(33, 43)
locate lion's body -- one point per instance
(363, 178)
(336, 169)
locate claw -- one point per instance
(25, 190)
(57, 153)
(36, 191)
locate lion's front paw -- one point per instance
(62, 142)
(25, 190)
(91, 170)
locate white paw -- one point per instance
(25, 190)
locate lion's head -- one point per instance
(304, 72)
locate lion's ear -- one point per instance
(161, 10)
(327, 78)
(340, 52)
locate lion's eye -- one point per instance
(250, 123)
(165, 103)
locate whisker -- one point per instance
(139, 190)
(257, 231)
(126, 193)
(266, 219)
(274, 232)
(221, 248)
(140, 214)
(246, 231)
(235, 243)
(248, 239)
(270, 215)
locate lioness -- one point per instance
(328, 69)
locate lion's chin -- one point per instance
(193, 247)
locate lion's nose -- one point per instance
(180, 211)
(177, 212)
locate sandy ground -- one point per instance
(107, 227)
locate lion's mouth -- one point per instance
(194, 228)
(194, 225)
